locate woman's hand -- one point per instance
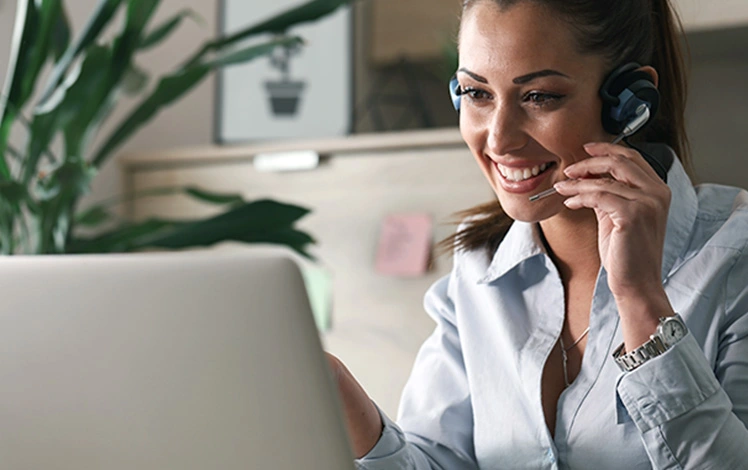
(362, 418)
(631, 204)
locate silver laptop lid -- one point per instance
(163, 361)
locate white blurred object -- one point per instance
(286, 161)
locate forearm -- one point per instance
(362, 419)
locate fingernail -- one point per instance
(589, 144)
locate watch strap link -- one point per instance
(630, 361)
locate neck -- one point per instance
(571, 238)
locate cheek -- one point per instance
(475, 138)
(566, 133)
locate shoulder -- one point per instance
(720, 236)
(722, 218)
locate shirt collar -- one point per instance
(524, 241)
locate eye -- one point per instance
(540, 99)
(475, 94)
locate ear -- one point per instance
(652, 72)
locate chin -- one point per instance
(531, 212)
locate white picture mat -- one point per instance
(323, 63)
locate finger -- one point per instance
(616, 166)
(597, 149)
(609, 203)
(599, 185)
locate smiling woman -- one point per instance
(557, 342)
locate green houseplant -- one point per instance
(40, 189)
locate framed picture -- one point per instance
(306, 92)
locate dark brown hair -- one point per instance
(622, 31)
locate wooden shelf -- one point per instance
(213, 154)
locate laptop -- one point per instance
(206, 360)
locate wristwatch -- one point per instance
(669, 331)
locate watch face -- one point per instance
(672, 331)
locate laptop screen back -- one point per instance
(161, 361)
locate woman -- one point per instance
(520, 372)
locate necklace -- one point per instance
(564, 350)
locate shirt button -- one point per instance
(551, 456)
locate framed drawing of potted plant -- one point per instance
(296, 91)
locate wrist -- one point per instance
(669, 332)
(640, 315)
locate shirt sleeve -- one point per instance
(690, 415)
(435, 415)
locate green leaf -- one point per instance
(13, 193)
(202, 195)
(76, 103)
(214, 197)
(252, 52)
(93, 217)
(310, 11)
(165, 29)
(67, 182)
(102, 15)
(61, 34)
(263, 221)
(134, 80)
(121, 239)
(257, 216)
(172, 87)
(167, 91)
(41, 133)
(85, 98)
(294, 239)
(25, 32)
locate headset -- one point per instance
(630, 101)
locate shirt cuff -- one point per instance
(389, 451)
(666, 386)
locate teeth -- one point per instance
(521, 174)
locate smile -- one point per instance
(522, 174)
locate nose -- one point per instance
(505, 133)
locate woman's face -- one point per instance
(530, 102)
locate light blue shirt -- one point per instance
(474, 397)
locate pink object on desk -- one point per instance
(405, 245)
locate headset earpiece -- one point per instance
(455, 92)
(623, 93)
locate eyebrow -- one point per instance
(519, 80)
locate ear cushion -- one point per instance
(455, 92)
(622, 92)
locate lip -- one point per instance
(525, 186)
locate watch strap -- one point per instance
(652, 348)
(630, 361)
